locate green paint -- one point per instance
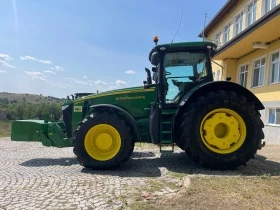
(136, 101)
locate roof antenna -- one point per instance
(178, 27)
(204, 26)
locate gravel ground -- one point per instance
(36, 177)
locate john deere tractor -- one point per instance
(217, 123)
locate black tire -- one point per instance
(192, 135)
(107, 118)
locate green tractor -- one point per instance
(217, 123)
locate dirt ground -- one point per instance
(255, 186)
(36, 177)
(222, 193)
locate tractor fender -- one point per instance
(121, 111)
(221, 85)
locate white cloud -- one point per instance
(99, 82)
(3, 61)
(77, 81)
(27, 57)
(50, 72)
(59, 68)
(34, 75)
(120, 82)
(5, 57)
(45, 61)
(3, 72)
(85, 77)
(5, 64)
(54, 70)
(130, 72)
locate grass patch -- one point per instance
(5, 128)
(222, 192)
(155, 186)
(145, 145)
(265, 176)
(178, 175)
(141, 205)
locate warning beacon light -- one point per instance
(156, 39)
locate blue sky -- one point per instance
(60, 47)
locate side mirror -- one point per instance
(149, 78)
(155, 58)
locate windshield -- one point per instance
(182, 70)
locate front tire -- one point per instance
(103, 140)
(221, 130)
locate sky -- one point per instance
(60, 47)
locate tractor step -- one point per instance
(166, 144)
(166, 148)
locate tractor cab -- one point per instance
(179, 68)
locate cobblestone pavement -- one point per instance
(36, 177)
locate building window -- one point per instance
(238, 23)
(275, 68)
(226, 33)
(258, 73)
(251, 12)
(243, 75)
(274, 116)
(218, 39)
(268, 5)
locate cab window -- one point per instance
(181, 71)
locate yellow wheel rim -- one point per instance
(223, 131)
(102, 142)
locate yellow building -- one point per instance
(247, 33)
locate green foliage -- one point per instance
(23, 110)
(28, 106)
(4, 102)
(5, 128)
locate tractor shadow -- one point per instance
(149, 164)
(42, 162)
(153, 164)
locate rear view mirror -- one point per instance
(155, 58)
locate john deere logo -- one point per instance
(78, 108)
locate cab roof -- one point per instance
(201, 44)
(182, 46)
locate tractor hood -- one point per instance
(132, 93)
(134, 100)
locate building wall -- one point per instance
(241, 6)
(272, 132)
(269, 94)
(218, 70)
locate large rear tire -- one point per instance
(103, 140)
(221, 130)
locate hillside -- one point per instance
(22, 106)
(31, 98)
